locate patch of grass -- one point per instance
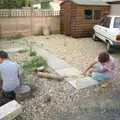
(33, 63)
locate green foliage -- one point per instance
(45, 5)
(33, 53)
(11, 4)
(35, 62)
(40, 1)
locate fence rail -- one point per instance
(27, 13)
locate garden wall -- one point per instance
(28, 22)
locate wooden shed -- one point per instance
(77, 17)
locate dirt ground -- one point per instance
(55, 100)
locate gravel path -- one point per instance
(76, 52)
(55, 100)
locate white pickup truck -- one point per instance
(108, 30)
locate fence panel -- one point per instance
(27, 13)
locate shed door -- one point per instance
(65, 18)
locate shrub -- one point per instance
(33, 63)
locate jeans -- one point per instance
(7, 97)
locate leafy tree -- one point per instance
(7, 4)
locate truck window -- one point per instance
(105, 22)
(117, 22)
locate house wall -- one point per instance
(115, 9)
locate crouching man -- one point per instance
(9, 78)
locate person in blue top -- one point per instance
(9, 77)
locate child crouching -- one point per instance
(102, 69)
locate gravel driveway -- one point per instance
(54, 100)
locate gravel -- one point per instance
(53, 100)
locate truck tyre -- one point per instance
(94, 37)
(109, 48)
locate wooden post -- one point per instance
(50, 76)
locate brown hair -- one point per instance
(103, 57)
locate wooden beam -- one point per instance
(50, 76)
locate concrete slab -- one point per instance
(54, 62)
(83, 82)
(10, 110)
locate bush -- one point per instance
(35, 62)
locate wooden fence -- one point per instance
(27, 13)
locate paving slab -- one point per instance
(83, 82)
(53, 61)
(10, 110)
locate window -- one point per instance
(88, 14)
(105, 22)
(97, 14)
(117, 22)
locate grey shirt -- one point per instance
(9, 72)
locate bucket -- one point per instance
(23, 92)
(46, 30)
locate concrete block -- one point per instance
(10, 110)
(81, 82)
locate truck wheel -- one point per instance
(94, 37)
(110, 48)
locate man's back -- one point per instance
(9, 72)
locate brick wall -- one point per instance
(28, 24)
